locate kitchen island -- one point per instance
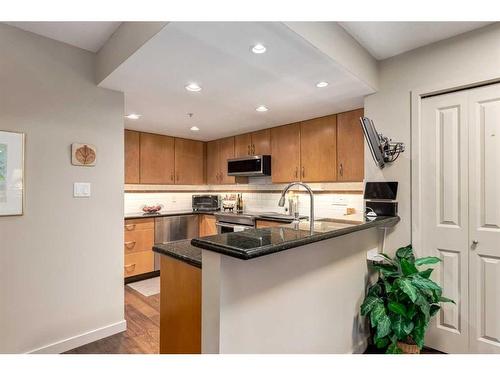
(285, 289)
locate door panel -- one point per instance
(350, 146)
(131, 157)
(242, 145)
(445, 209)
(285, 144)
(484, 221)
(226, 151)
(189, 163)
(261, 142)
(318, 149)
(212, 163)
(157, 159)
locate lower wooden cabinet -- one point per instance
(207, 225)
(180, 307)
(268, 223)
(138, 246)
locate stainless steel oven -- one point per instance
(233, 222)
(206, 202)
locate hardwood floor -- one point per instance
(143, 329)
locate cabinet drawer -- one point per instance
(138, 240)
(268, 223)
(139, 224)
(138, 263)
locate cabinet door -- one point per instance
(207, 225)
(212, 163)
(157, 159)
(261, 142)
(285, 143)
(350, 147)
(226, 151)
(131, 157)
(318, 149)
(242, 145)
(189, 163)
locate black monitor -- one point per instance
(381, 190)
(373, 140)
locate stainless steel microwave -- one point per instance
(206, 202)
(258, 165)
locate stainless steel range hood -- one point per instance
(251, 166)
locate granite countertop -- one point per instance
(181, 250)
(255, 243)
(142, 215)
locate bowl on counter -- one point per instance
(151, 209)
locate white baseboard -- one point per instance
(82, 339)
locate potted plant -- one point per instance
(402, 301)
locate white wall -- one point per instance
(471, 57)
(302, 300)
(62, 261)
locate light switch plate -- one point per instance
(81, 190)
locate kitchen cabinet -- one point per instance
(318, 149)
(285, 144)
(189, 162)
(259, 223)
(138, 246)
(180, 307)
(218, 152)
(256, 143)
(132, 140)
(350, 146)
(207, 225)
(156, 159)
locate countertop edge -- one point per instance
(172, 254)
(271, 249)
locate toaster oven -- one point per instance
(206, 202)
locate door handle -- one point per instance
(474, 244)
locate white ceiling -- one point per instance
(235, 81)
(387, 39)
(87, 35)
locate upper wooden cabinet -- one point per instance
(318, 153)
(350, 146)
(217, 154)
(256, 143)
(156, 159)
(132, 140)
(285, 162)
(189, 162)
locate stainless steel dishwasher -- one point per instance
(174, 228)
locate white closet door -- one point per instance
(484, 193)
(445, 214)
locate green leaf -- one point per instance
(375, 290)
(393, 348)
(434, 309)
(411, 311)
(418, 333)
(398, 326)
(408, 267)
(387, 270)
(397, 308)
(424, 306)
(405, 252)
(387, 257)
(407, 287)
(426, 260)
(444, 299)
(408, 327)
(381, 342)
(368, 304)
(426, 273)
(383, 327)
(424, 284)
(377, 312)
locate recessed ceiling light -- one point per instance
(193, 87)
(258, 48)
(194, 128)
(321, 84)
(262, 108)
(133, 116)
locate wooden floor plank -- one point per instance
(143, 329)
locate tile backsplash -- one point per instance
(326, 204)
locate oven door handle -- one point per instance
(233, 225)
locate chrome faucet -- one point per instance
(281, 203)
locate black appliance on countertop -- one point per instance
(206, 202)
(380, 199)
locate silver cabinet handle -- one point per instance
(248, 150)
(296, 172)
(253, 149)
(341, 169)
(303, 172)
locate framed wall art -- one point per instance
(83, 155)
(11, 173)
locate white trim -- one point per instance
(81, 339)
(416, 144)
